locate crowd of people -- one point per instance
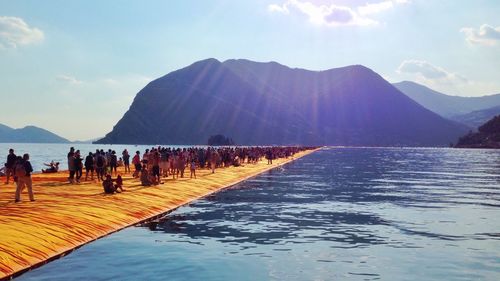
(150, 167)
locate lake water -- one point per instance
(337, 214)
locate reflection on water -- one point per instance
(341, 213)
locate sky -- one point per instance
(74, 67)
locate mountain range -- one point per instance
(477, 118)
(268, 103)
(471, 111)
(28, 134)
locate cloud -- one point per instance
(334, 15)
(375, 8)
(429, 71)
(487, 35)
(68, 79)
(442, 80)
(341, 15)
(15, 32)
(279, 8)
(423, 68)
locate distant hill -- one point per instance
(28, 134)
(269, 103)
(86, 141)
(488, 136)
(476, 118)
(445, 105)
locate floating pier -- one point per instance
(66, 216)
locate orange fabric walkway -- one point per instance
(65, 216)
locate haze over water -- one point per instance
(338, 214)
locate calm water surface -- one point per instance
(338, 214)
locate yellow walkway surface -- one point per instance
(66, 216)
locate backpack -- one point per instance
(89, 161)
(19, 170)
(100, 161)
(113, 160)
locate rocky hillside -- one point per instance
(269, 103)
(487, 136)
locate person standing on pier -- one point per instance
(89, 166)
(9, 166)
(269, 156)
(137, 164)
(78, 166)
(155, 160)
(181, 162)
(192, 168)
(126, 160)
(23, 170)
(113, 162)
(100, 165)
(214, 157)
(71, 165)
(145, 157)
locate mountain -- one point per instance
(476, 118)
(86, 141)
(268, 103)
(488, 136)
(445, 105)
(29, 134)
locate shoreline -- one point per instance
(30, 240)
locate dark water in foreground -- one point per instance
(338, 214)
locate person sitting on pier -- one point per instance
(145, 177)
(120, 162)
(109, 187)
(53, 167)
(119, 183)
